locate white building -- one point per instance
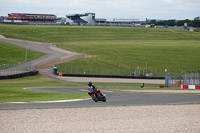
(90, 20)
(81, 19)
(120, 22)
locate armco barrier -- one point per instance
(35, 72)
(112, 76)
(193, 87)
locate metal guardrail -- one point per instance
(24, 74)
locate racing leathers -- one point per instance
(92, 89)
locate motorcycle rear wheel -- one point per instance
(104, 99)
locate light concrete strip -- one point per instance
(166, 91)
(114, 80)
(1, 36)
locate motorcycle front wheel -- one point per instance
(94, 98)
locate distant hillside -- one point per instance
(118, 47)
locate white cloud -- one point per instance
(159, 9)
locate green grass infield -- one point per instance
(118, 48)
(11, 54)
(13, 90)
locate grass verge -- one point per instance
(128, 86)
(11, 54)
(13, 90)
(119, 57)
(110, 84)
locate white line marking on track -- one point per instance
(58, 101)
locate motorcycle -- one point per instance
(96, 95)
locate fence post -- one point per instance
(167, 80)
(199, 78)
(130, 71)
(4, 69)
(183, 78)
(189, 79)
(143, 73)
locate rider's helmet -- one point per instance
(89, 83)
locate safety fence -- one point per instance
(23, 67)
(12, 69)
(181, 78)
(191, 78)
(20, 68)
(187, 78)
(89, 70)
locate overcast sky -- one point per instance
(151, 9)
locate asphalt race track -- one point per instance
(113, 99)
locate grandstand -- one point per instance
(81, 19)
(31, 18)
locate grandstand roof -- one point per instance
(81, 15)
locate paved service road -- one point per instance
(52, 53)
(113, 99)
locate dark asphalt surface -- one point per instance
(113, 99)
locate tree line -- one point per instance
(190, 23)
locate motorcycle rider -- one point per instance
(92, 88)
